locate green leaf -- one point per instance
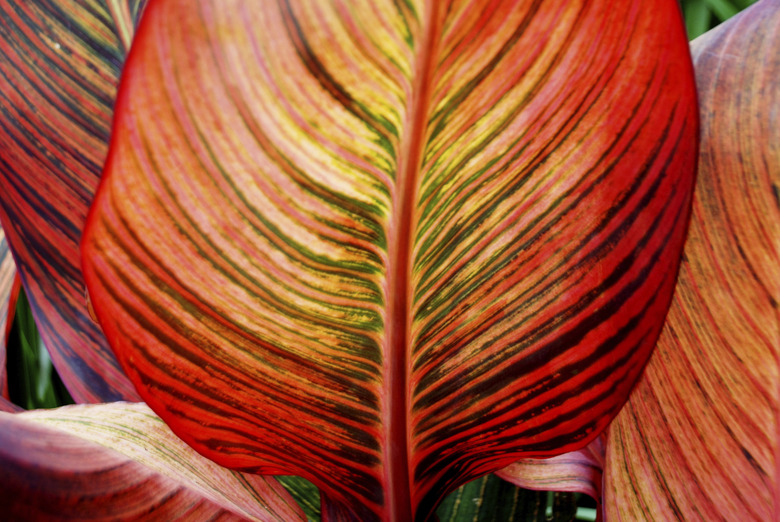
(305, 494)
(697, 17)
(722, 8)
(32, 381)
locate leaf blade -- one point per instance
(280, 269)
(698, 438)
(59, 69)
(120, 459)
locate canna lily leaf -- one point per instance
(59, 68)
(120, 461)
(578, 471)
(698, 439)
(391, 248)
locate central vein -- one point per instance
(398, 470)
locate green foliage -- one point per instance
(490, 498)
(32, 381)
(703, 15)
(305, 493)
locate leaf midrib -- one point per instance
(398, 470)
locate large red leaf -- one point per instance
(59, 68)
(699, 438)
(393, 247)
(120, 462)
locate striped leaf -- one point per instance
(120, 462)
(698, 439)
(59, 68)
(578, 471)
(393, 247)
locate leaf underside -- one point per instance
(698, 439)
(120, 462)
(578, 471)
(392, 247)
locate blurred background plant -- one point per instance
(33, 382)
(703, 15)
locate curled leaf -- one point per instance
(578, 471)
(120, 461)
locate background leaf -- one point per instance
(702, 15)
(698, 438)
(59, 68)
(578, 471)
(33, 383)
(398, 261)
(120, 461)
(305, 494)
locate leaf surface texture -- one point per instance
(391, 247)
(119, 461)
(698, 439)
(59, 68)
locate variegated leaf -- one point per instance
(59, 68)
(120, 462)
(698, 440)
(392, 247)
